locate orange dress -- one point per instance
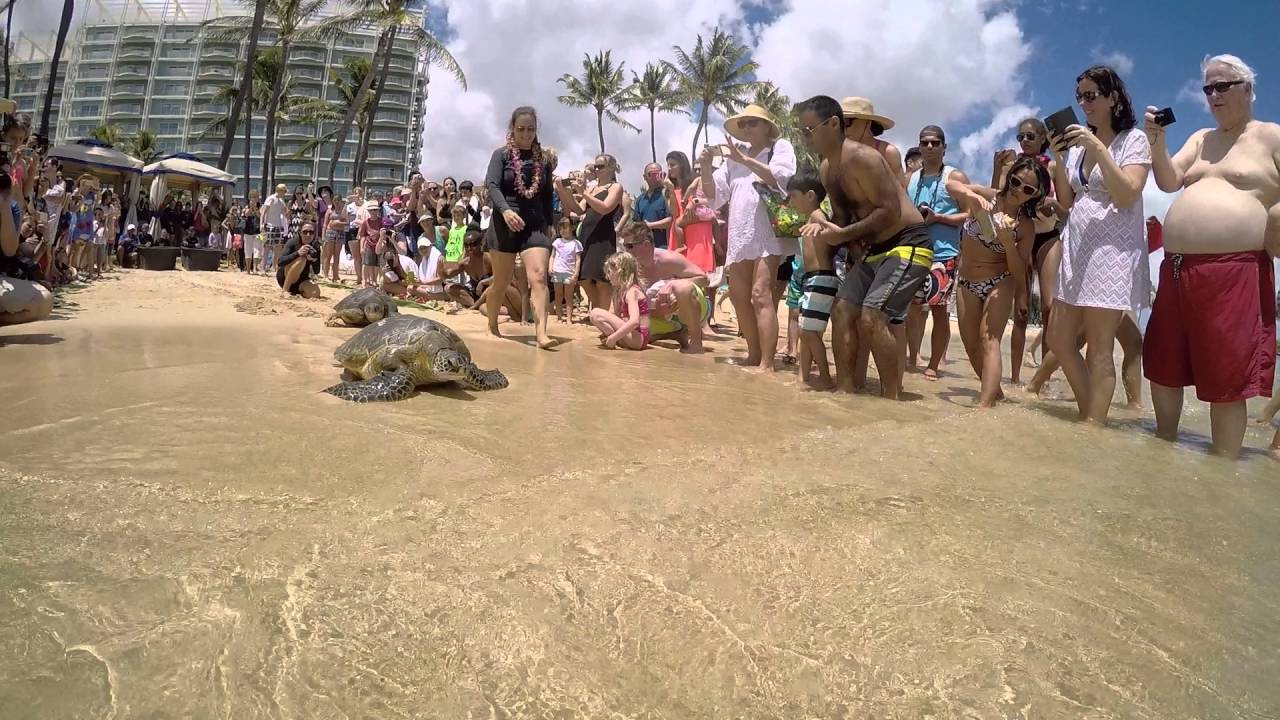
(699, 237)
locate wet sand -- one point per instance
(190, 529)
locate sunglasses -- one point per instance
(930, 143)
(1220, 87)
(308, 232)
(1087, 96)
(808, 131)
(1027, 137)
(1024, 188)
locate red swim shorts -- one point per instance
(1214, 326)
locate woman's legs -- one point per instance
(741, 280)
(1100, 326)
(995, 318)
(969, 308)
(1062, 339)
(536, 260)
(1047, 262)
(353, 247)
(1130, 339)
(764, 302)
(503, 265)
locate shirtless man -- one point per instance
(1213, 321)
(675, 287)
(863, 125)
(872, 210)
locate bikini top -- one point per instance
(974, 230)
(643, 305)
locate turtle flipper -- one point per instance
(386, 386)
(473, 378)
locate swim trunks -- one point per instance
(819, 295)
(939, 284)
(888, 279)
(672, 324)
(1213, 325)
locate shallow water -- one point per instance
(189, 529)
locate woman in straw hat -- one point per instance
(754, 251)
(865, 126)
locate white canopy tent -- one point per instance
(184, 172)
(105, 163)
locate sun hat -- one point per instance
(732, 125)
(373, 206)
(857, 108)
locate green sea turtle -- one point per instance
(391, 357)
(362, 307)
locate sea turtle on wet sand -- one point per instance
(362, 307)
(391, 357)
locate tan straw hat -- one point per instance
(856, 108)
(731, 126)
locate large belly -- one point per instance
(1213, 216)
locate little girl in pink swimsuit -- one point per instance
(627, 323)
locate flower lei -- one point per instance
(517, 168)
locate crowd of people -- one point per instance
(873, 245)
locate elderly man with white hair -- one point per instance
(1213, 322)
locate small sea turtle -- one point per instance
(391, 357)
(361, 308)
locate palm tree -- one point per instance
(246, 82)
(778, 105)
(292, 20)
(144, 146)
(8, 38)
(714, 75)
(392, 19)
(656, 91)
(266, 68)
(64, 26)
(327, 111)
(108, 133)
(601, 88)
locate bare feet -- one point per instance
(545, 343)
(493, 329)
(816, 384)
(931, 375)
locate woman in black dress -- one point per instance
(519, 181)
(600, 206)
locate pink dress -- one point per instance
(699, 237)
(1104, 252)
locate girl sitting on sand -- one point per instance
(627, 324)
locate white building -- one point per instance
(143, 63)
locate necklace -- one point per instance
(517, 169)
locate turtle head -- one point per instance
(449, 365)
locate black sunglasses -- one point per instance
(1026, 189)
(1220, 87)
(930, 143)
(1087, 96)
(308, 232)
(1027, 137)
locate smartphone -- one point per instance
(1058, 122)
(1165, 117)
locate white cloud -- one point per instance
(1121, 63)
(1191, 94)
(975, 152)
(976, 55)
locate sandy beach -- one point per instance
(190, 528)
